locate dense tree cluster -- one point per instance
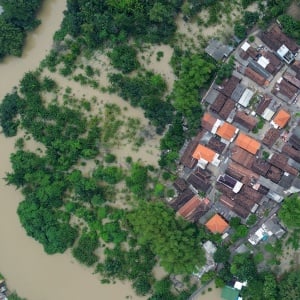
(175, 241)
(18, 17)
(289, 212)
(290, 26)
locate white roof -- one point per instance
(283, 50)
(268, 114)
(238, 285)
(263, 61)
(245, 46)
(279, 80)
(209, 247)
(217, 124)
(246, 97)
(237, 187)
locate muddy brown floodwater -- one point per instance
(32, 273)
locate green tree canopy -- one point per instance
(289, 212)
(175, 241)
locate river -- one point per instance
(28, 270)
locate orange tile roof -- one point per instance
(205, 153)
(217, 224)
(247, 143)
(188, 208)
(208, 121)
(226, 131)
(282, 117)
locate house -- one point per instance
(284, 90)
(238, 92)
(274, 174)
(259, 67)
(296, 68)
(194, 208)
(183, 198)
(247, 121)
(200, 179)
(217, 50)
(204, 155)
(257, 78)
(292, 79)
(228, 85)
(269, 228)
(231, 183)
(271, 137)
(267, 107)
(246, 97)
(234, 206)
(227, 109)
(216, 145)
(247, 143)
(245, 175)
(291, 152)
(211, 96)
(295, 138)
(242, 157)
(274, 64)
(180, 185)
(278, 160)
(227, 132)
(281, 119)
(218, 103)
(261, 166)
(248, 51)
(217, 224)
(210, 123)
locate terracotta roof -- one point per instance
(226, 131)
(282, 118)
(247, 174)
(291, 152)
(246, 142)
(271, 137)
(245, 120)
(257, 78)
(234, 206)
(218, 103)
(194, 208)
(217, 224)
(289, 169)
(279, 160)
(296, 67)
(228, 85)
(208, 121)
(216, 145)
(242, 157)
(227, 109)
(205, 153)
(285, 88)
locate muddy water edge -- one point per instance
(31, 272)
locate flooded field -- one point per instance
(28, 270)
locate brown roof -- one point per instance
(187, 158)
(259, 79)
(275, 38)
(228, 85)
(247, 174)
(208, 121)
(182, 199)
(250, 194)
(274, 174)
(261, 167)
(180, 184)
(291, 170)
(218, 103)
(291, 152)
(225, 190)
(216, 145)
(217, 224)
(285, 88)
(247, 143)
(245, 120)
(242, 157)
(200, 179)
(292, 79)
(227, 109)
(296, 67)
(263, 104)
(279, 160)
(234, 206)
(275, 63)
(194, 208)
(295, 138)
(271, 137)
(281, 118)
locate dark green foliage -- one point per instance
(246, 3)
(243, 267)
(250, 18)
(17, 18)
(123, 57)
(251, 220)
(110, 174)
(235, 222)
(138, 179)
(111, 232)
(240, 30)
(175, 241)
(194, 73)
(8, 113)
(289, 287)
(221, 255)
(290, 26)
(110, 158)
(84, 251)
(43, 225)
(225, 71)
(14, 296)
(146, 91)
(141, 285)
(289, 212)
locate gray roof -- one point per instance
(211, 96)
(258, 69)
(274, 227)
(296, 183)
(238, 92)
(217, 50)
(294, 164)
(296, 132)
(286, 181)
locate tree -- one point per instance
(141, 286)
(240, 30)
(175, 241)
(289, 212)
(243, 267)
(289, 286)
(270, 287)
(221, 255)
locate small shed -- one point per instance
(217, 50)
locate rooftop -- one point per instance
(204, 153)
(247, 143)
(257, 78)
(208, 121)
(217, 49)
(271, 137)
(228, 85)
(226, 131)
(281, 118)
(229, 293)
(242, 157)
(217, 224)
(227, 109)
(245, 120)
